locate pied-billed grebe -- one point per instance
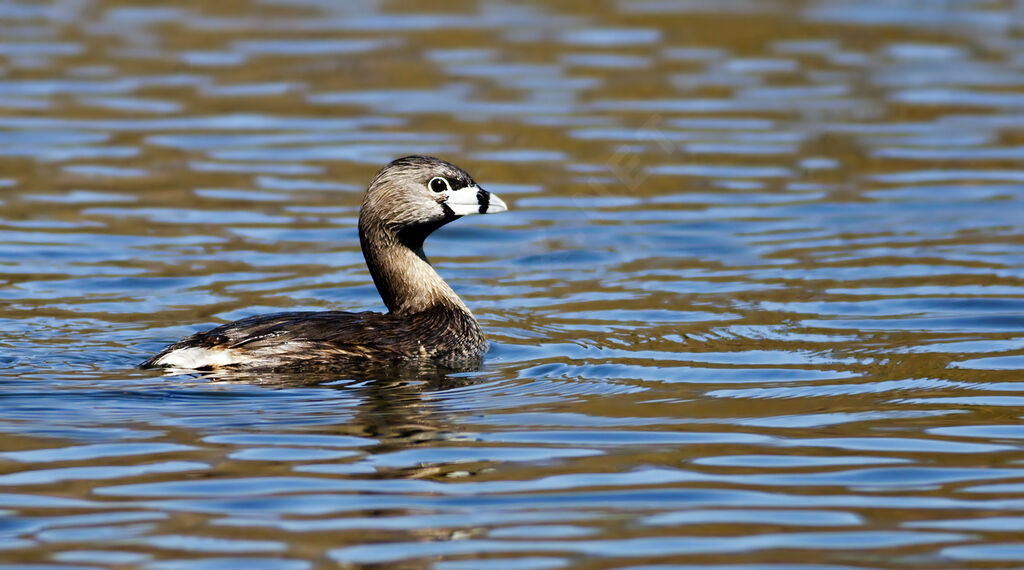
(426, 320)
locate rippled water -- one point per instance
(759, 301)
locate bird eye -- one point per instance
(438, 184)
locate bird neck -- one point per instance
(406, 281)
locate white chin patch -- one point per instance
(196, 358)
(474, 200)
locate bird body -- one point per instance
(426, 320)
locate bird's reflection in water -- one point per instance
(393, 406)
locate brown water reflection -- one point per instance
(757, 303)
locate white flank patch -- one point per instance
(197, 357)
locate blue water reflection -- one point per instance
(756, 304)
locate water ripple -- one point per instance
(756, 302)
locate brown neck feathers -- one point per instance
(404, 278)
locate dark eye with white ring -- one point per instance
(438, 184)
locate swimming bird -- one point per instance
(426, 320)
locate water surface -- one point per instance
(758, 301)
